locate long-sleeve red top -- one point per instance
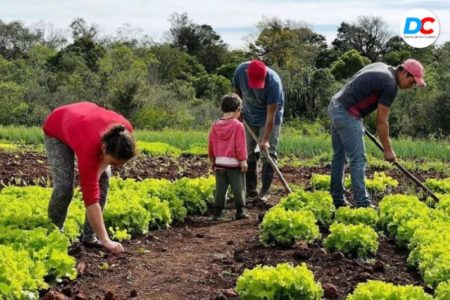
(81, 126)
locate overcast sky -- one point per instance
(234, 20)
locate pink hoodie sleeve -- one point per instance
(241, 143)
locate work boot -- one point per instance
(263, 195)
(267, 178)
(343, 203)
(218, 215)
(251, 179)
(240, 214)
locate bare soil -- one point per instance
(199, 258)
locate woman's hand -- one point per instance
(113, 247)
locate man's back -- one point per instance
(373, 84)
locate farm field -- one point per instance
(200, 259)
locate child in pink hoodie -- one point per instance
(227, 151)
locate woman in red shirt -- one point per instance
(98, 138)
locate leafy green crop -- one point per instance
(362, 215)
(318, 202)
(443, 291)
(284, 227)
(356, 240)
(387, 291)
(439, 185)
(281, 282)
(158, 149)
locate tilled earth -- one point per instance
(199, 258)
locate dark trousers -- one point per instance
(62, 164)
(229, 177)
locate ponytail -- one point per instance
(119, 142)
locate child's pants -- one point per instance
(230, 177)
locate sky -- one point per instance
(234, 20)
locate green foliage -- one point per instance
(320, 181)
(430, 251)
(397, 210)
(367, 36)
(356, 240)
(362, 215)
(158, 149)
(444, 203)
(120, 235)
(200, 41)
(16, 40)
(283, 281)
(282, 227)
(318, 202)
(380, 182)
(348, 64)
(12, 107)
(383, 290)
(20, 277)
(443, 291)
(438, 185)
(195, 193)
(211, 87)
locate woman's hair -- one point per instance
(119, 142)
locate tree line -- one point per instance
(178, 83)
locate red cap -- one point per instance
(256, 72)
(416, 69)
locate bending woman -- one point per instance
(98, 138)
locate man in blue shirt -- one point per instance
(374, 87)
(261, 90)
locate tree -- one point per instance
(367, 36)
(16, 40)
(83, 45)
(348, 64)
(288, 44)
(50, 36)
(212, 87)
(173, 64)
(12, 107)
(200, 41)
(124, 74)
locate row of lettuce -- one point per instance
(423, 230)
(34, 253)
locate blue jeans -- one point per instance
(347, 134)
